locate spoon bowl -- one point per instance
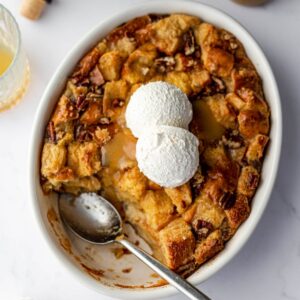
(91, 217)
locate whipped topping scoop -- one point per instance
(157, 103)
(168, 155)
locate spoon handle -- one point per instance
(174, 279)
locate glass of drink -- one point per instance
(14, 67)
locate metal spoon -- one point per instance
(94, 219)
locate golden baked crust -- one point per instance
(87, 146)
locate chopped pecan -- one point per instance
(85, 65)
(117, 102)
(226, 36)
(96, 90)
(202, 228)
(232, 140)
(51, 132)
(227, 200)
(229, 41)
(257, 164)
(96, 76)
(93, 97)
(85, 82)
(184, 63)
(142, 35)
(165, 64)
(189, 43)
(157, 17)
(197, 183)
(233, 45)
(102, 135)
(198, 53)
(220, 84)
(81, 103)
(216, 86)
(186, 269)
(104, 120)
(82, 133)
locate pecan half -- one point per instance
(51, 132)
(82, 133)
(202, 228)
(81, 103)
(165, 64)
(93, 96)
(189, 42)
(227, 200)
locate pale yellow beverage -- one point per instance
(14, 68)
(6, 58)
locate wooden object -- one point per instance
(32, 9)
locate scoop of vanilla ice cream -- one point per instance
(157, 103)
(168, 155)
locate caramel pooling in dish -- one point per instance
(32, 9)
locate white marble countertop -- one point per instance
(268, 267)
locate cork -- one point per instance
(250, 2)
(32, 9)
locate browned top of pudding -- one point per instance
(87, 146)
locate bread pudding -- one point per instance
(88, 148)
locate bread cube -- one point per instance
(114, 90)
(92, 114)
(110, 64)
(131, 185)
(84, 158)
(158, 209)
(218, 61)
(79, 185)
(199, 79)
(238, 213)
(181, 80)
(221, 111)
(65, 111)
(138, 66)
(234, 100)
(209, 247)
(166, 34)
(256, 148)
(180, 196)
(248, 181)
(53, 159)
(208, 211)
(177, 243)
(252, 122)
